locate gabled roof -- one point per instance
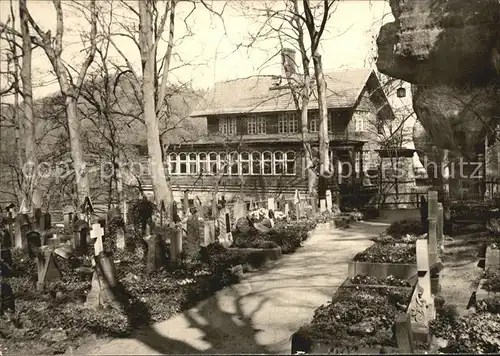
(253, 94)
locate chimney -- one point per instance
(288, 64)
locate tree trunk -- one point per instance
(32, 188)
(324, 142)
(311, 173)
(159, 181)
(82, 181)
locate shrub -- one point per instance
(492, 279)
(401, 253)
(475, 333)
(402, 228)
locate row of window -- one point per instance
(288, 123)
(234, 163)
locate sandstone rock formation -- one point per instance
(449, 51)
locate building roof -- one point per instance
(253, 94)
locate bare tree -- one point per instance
(33, 196)
(70, 89)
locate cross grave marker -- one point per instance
(97, 233)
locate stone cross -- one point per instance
(97, 233)
(322, 205)
(270, 204)
(329, 202)
(433, 212)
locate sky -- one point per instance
(212, 48)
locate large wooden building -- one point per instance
(253, 143)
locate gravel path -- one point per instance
(260, 314)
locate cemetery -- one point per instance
(102, 276)
(392, 301)
(239, 178)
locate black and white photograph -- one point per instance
(249, 177)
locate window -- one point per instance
(267, 160)
(245, 163)
(182, 163)
(193, 164)
(290, 163)
(256, 166)
(228, 126)
(223, 164)
(212, 156)
(288, 123)
(173, 164)
(234, 163)
(359, 121)
(204, 167)
(279, 162)
(313, 122)
(256, 125)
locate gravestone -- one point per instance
(7, 301)
(185, 202)
(48, 269)
(34, 243)
(287, 209)
(175, 244)
(224, 224)
(271, 217)
(37, 215)
(322, 205)
(53, 241)
(21, 226)
(208, 235)
(80, 235)
(103, 282)
(5, 262)
(68, 216)
(45, 222)
(314, 205)
(64, 250)
(120, 238)
(424, 211)
(88, 209)
(329, 202)
(424, 277)
(193, 233)
(5, 238)
(440, 226)
(239, 211)
(156, 257)
(96, 234)
(433, 212)
(270, 204)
